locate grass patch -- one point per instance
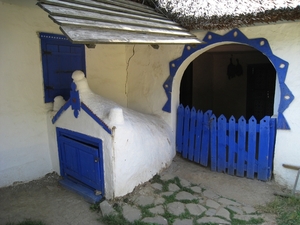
(145, 211)
(287, 210)
(28, 222)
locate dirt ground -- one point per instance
(46, 200)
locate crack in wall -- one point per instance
(127, 73)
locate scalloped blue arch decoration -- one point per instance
(236, 36)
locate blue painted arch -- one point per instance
(236, 36)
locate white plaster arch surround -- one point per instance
(178, 66)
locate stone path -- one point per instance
(169, 199)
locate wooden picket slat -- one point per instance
(241, 147)
(232, 146)
(198, 141)
(179, 128)
(205, 138)
(192, 134)
(221, 144)
(186, 132)
(213, 143)
(272, 145)
(251, 147)
(264, 141)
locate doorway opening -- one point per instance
(233, 80)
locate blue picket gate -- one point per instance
(233, 147)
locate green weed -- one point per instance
(28, 222)
(287, 210)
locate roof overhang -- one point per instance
(93, 22)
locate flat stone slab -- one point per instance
(225, 201)
(176, 208)
(184, 183)
(183, 222)
(223, 213)
(213, 220)
(183, 195)
(195, 209)
(210, 194)
(131, 214)
(196, 189)
(173, 187)
(212, 204)
(248, 209)
(210, 212)
(159, 201)
(157, 186)
(246, 217)
(144, 200)
(155, 220)
(157, 210)
(107, 209)
(235, 209)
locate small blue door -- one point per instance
(81, 160)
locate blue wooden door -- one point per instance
(60, 59)
(82, 162)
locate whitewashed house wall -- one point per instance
(131, 75)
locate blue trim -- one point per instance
(61, 110)
(75, 100)
(85, 192)
(76, 105)
(236, 36)
(96, 118)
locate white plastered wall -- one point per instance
(24, 149)
(28, 148)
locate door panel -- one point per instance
(81, 162)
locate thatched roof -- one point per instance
(225, 14)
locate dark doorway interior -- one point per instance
(260, 90)
(206, 86)
(186, 87)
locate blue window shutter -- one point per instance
(60, 58)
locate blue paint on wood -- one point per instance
(198, 141)
(205, 138)
(179, 128)
(271, 146)
(263, 154)
(186, 132)
(96, 118)
(236, 36)
(231, 146)
(241, 147)
(213, 143)
(81, 159)
(192, 134)
(60, 58)
(251, 147)
(75, 100)
(222, 144)
(85, 192)
(61, 110)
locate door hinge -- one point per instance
(96, 159)
(47, 52)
